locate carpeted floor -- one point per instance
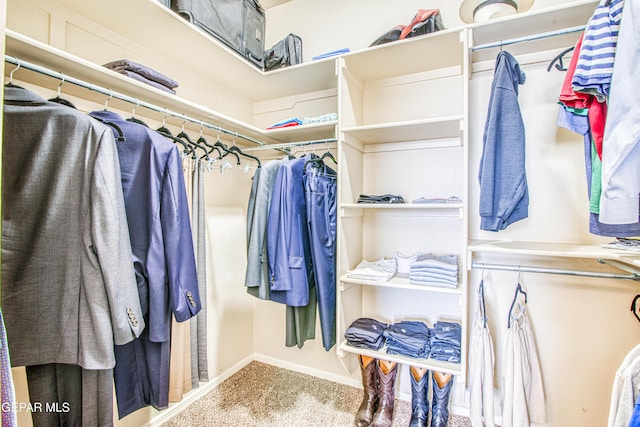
(261, 395)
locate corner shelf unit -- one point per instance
(392, 134)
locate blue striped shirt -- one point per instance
(597, 54)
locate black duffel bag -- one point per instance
(287, 51)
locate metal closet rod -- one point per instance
(524, 269)
(529, 38)
(286, 145)
(112, 94)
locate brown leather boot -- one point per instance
(368, 367)
(386, 393)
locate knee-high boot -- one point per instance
(442, 384)
(387, 393)
(369, 370)
(419, 398)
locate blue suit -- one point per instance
(288, 247)
(163, 258)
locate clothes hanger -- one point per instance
(58, 98)
(203, 141)
(164, 131)
(515, 298)
(226, 150)
(557, 61)
(10, 83)
(120, 137)
(183, 135)
(133, 118)
(242, 153)
(635, 307)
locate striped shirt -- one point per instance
(597, 54)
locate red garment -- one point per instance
(579, 100)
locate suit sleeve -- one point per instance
(184, 297)
(112, 244)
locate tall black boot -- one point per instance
(442, 384)
(386, 393)
(370, 398)
(419, 398)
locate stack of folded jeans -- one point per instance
(408, 338)
(143, 74)
(366, 333)
(445, 342)
(383, 269)
(435, 270)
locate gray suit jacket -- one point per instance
(257, 274)
(68, 284)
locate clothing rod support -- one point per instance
(529, 38)
(525, 269)
(112, 94)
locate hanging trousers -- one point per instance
(65, 395)
(320, 194)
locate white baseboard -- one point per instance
(195, 394)
(306, 370)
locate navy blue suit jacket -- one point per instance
(163, 257)
(288, 245)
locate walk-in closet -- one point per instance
(395, 153)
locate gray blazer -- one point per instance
(68, 284)
(257, 274)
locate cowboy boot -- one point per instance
(386, 393)
(442, 384)
(368, 368)
(419, 398)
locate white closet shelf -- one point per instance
(400, 283)
(433, 209)
(430, 364)
(409, 56)
(551, 249)
(180, 41)
(25, 48)
(414, 130)
(549, 19)
(326, 130)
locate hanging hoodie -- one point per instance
(504, 197)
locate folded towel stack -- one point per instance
(143, 74)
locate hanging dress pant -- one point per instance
(70, 396)
(481, 365)
(320, 194)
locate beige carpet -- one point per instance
(264, 395)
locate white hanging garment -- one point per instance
(522, 390)
(481, 365)
(625, 389)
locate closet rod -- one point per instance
(524, 269)
(286, 145)
(529, 38)
(112, 94)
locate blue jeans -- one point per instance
(320, 193)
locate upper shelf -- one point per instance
(439, 50)
(548, 20)
(173, 36)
